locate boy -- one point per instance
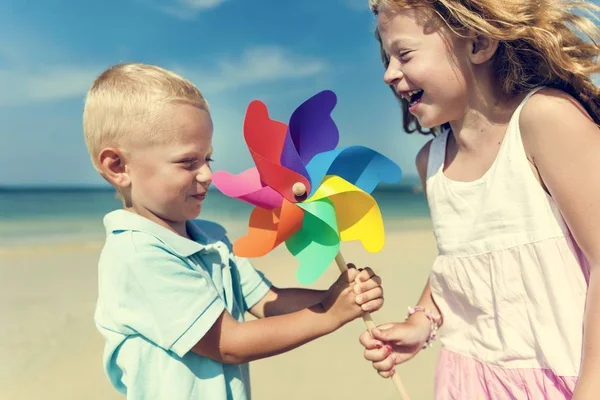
(172, 296)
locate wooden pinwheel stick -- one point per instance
(341, 263)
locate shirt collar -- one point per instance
(205, 235)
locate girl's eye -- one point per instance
(403, 55)
(209, 159)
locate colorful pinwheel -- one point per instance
(307, 193)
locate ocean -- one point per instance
(48, 215)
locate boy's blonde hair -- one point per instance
(124, 103)
(541, 43)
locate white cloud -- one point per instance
(188, 9)
(261, 64)
(257, 65)
(54, 83)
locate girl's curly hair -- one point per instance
(541, 43)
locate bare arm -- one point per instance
(564, 145)
(284, 301)
(233, 342)
(426, 299)
(402, 340)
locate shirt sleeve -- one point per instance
(254, 283)
(168, 302)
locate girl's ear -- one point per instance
(482, 49)
(113, 167)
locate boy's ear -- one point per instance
(482, 48)
(112, 166)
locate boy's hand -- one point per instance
(353, 293)
(368, 290)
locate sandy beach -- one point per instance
(51, 349)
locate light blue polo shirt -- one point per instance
(158, 294)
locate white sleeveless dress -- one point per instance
(509, 280)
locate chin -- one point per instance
(429, 123)
(195, 213)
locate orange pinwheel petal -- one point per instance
(268, 229)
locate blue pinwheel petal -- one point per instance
(361, 166)
(311, 131)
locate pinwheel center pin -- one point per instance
(299, 189)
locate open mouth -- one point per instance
(414, 97)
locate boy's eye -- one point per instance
(188, 163)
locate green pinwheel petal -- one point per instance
(316, 244)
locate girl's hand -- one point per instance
(395, 343)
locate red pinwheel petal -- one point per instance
(265, 139)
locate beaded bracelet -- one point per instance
(433, 318)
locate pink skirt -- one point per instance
(463, 378)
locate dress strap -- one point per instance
(437, 154)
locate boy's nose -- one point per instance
(204, 174)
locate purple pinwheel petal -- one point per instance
(290, 157)
(311, 129)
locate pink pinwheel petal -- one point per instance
(247, 187)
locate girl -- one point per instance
(512, 184)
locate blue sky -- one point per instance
(235, 51)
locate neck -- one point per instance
(486, 115)
(179, 228)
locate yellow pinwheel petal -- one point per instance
(357, 212)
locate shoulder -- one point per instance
(422, 160)
(213, 230)
(129, 251)
(551, 115)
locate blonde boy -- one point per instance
(172, 296)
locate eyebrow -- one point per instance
(402, 42)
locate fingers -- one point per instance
(395, 333)
(363, 286)
(385, 366)
(387, 374)
(349, 276)
(371, 300)
(351, 273)
(368, 342)
(378, 355)
(365, 274)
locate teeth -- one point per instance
(408, 95)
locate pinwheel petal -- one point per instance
(268, 229)
(311, 131)
(247, 187)
(358, 215)
(317, 243)
(361, 166)
(265, 139)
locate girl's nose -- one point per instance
(393, 72)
